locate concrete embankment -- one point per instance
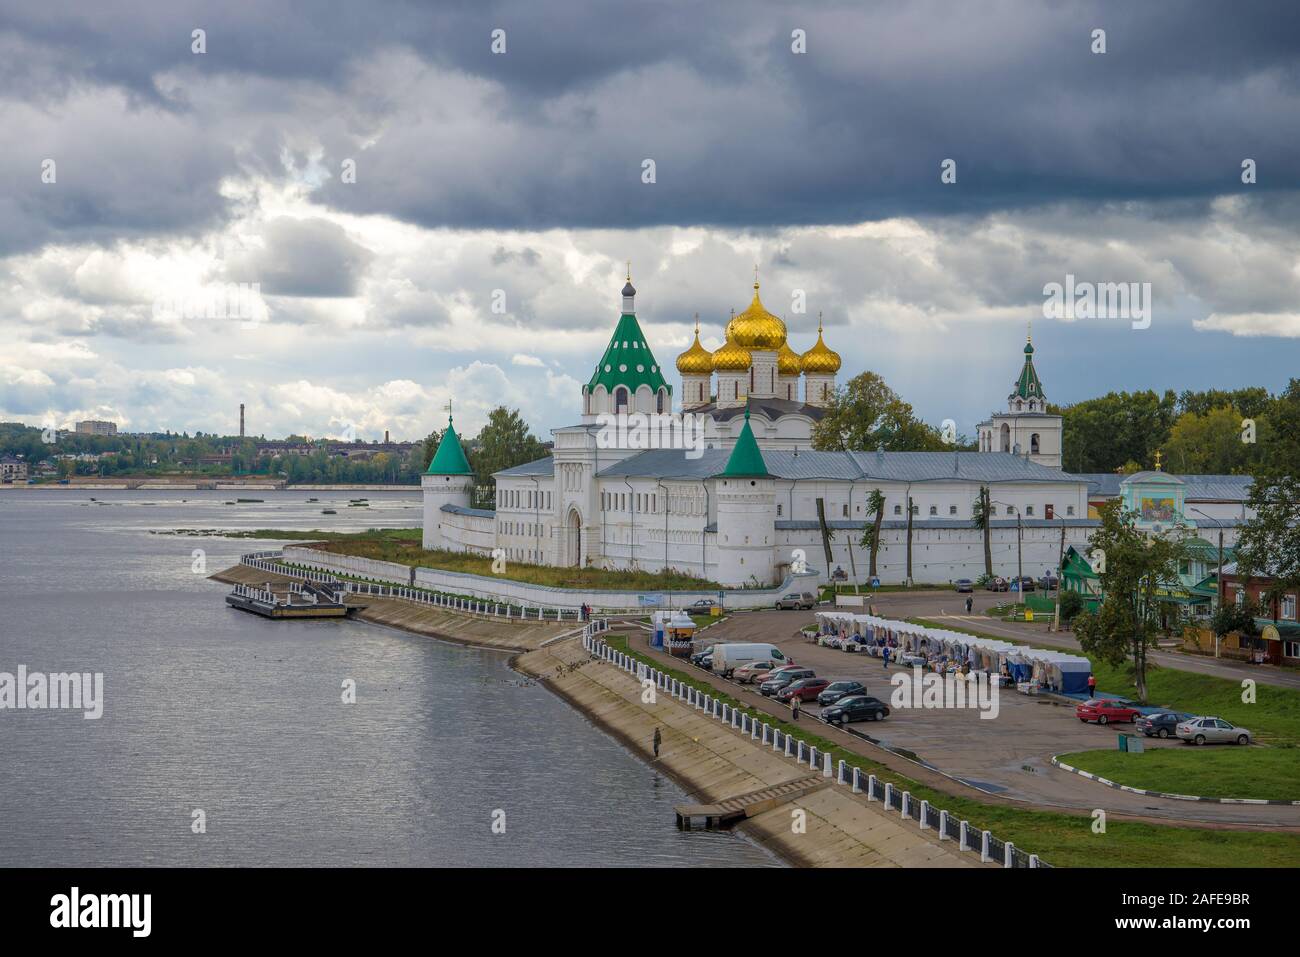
(713, 762)
(425, 620)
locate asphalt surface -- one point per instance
(1008, 755)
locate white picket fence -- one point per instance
(947, 825)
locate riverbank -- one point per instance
(713, 762)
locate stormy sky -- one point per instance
(138, 175)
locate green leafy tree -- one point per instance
(1269, 546)
(867, 414)
(503, 443)
(1230, 617)
(1211, 442)
(871, 535)
(982, 511)
(1133, 569)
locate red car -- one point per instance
(806, 688)
(1105, 710)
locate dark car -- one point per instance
(772, 685)
(699, 656)
(1049, 583)
(840, 689)
(1160, 724)
(855, 708)
(806, 688)
(1026, 583)
(997, 584)
(964, 584)
(796, 600)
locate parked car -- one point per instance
(964, 584)
(698, 657)
(1210, 730)
(855, 708)
(997, 583)
(754, 671)
(701, 607)
(796, 600)
(775, 682)
(840, 689)
(1160, 724)
(1105, 711)
(1026, 583)
(806, 688)
(1049, 583)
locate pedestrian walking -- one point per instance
(794, 707)
(884, 657)
(658, 738)
(970, 603)
(1092, 684)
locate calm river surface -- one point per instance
(214, 709)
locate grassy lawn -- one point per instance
(1274, 718)
(1271, 774)
(403, 547)
(1060, 839)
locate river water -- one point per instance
(215, 710)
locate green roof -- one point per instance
(746, 460)
(450, 457)
(628, 361)
(1029, 386)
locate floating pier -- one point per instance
(291, 600)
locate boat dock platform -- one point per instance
(284, 600)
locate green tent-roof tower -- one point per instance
(746, 460)
(450, 457)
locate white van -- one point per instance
(730, 656)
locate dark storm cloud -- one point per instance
(553, 133)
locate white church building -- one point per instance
(744, 509)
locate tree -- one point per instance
(1269, 546)
(1133, 568)
(871, 536)
(1230, 617)
(423, 453)
(1210, 442)
(867, 414)
(503, 443)
(982, 511)
(1102, 434)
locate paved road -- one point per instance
(1008, 756)
(946, 605)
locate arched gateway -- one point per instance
(574, 545)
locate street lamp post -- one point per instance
(1020, 564)
(1218, 577)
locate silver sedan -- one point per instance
(1210, 730)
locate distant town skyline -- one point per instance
(407, 216)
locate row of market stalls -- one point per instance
(942, 650)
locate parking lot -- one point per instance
(1008, 755)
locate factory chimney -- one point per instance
(241, 420)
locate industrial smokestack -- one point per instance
(241, 420)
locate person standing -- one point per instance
(1092, 684)
(794, 706)
(884, 657)
(970, 602)
(658, 738)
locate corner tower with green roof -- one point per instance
(628, 378)
(746, 507)
(448, 487)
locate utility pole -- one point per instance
(1060, 579)
(1020, 565)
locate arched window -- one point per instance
(701, 391)
(1006, 437)
(659, 406)
(1033, 444)
(934, 509)
(620, 399)
(898, 510)
(751, 378)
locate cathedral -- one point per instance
(756, 501)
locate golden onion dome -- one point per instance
(756, 328)
(696, 360)
(731, 356)
(787, 360)
(820, 359)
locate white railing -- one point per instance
(784, 743)
(466, 606)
